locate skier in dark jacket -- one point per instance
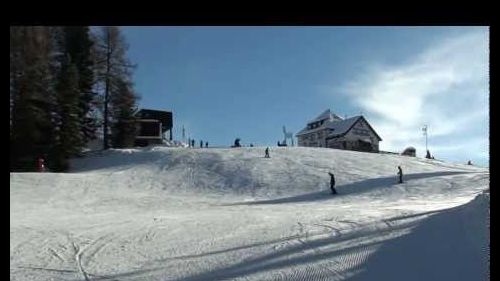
(206, 144)
(237, 143)
(201, 144)
(192, 143)
(332, 183)
(267, 153)
(400, 174)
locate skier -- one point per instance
(192, 143)
(428, 155)
(267, 153)
(400, 174)
(332, 183)
(206, 144)
(201, 144)
(237, 143)
(469, 163)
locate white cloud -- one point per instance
(445, 86)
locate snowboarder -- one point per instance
(332, 183)
(267, 153)
(206, 144)
(400, 174)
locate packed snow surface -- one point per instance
(183, 214)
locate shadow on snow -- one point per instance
(353, 188)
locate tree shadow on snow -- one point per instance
(347, 189)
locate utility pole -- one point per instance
(424, 130)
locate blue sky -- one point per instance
(247, 82)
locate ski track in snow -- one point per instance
(225, 214)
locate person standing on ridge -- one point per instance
(41, 165)
(267, 153)
(201, 144)
(400, 174)
(332, 183)
(206, 144)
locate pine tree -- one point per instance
(70, 140)
(123, 110)
(78, 45)
(32, 96)
(114, 67)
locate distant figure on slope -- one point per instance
(201, 144)
(469, 163)
(251, 145)
(206, 144)
(332, 183)
(41, 165)
(400, 174)
(428, 155)
(189, 142)
(237, 143)
(192, 143)
(267, 153)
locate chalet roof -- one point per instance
(339, 127)
(326, 115)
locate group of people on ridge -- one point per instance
(191, 143)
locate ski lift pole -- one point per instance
(424, 129)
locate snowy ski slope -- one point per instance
(230, 214)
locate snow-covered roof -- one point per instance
(339, 127)
(326, 115)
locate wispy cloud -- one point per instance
(445, 86)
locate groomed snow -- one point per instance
(176, 213)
